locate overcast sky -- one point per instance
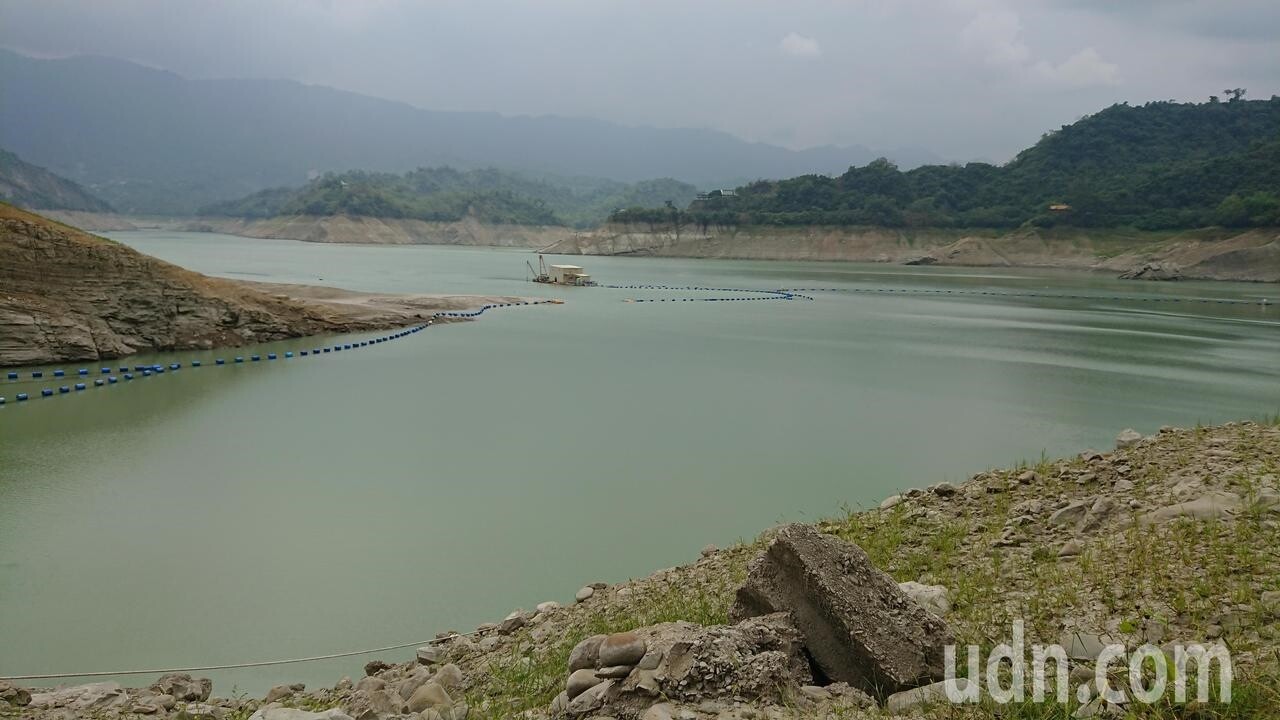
(963, 78)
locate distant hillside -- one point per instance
(150, 141)
(29, 186)
(446, 195)
(1157, 166)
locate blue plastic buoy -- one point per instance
(256, 358)
(303, 353)
(1, 399)
(337, 348)
(64, 389)
(347, 346)
(124, 369)
(59, 373)
(271, 356)
(146, 372)
(288, 355)
(174, 366)
(99, 382)
(21, 397)
(128, 376)
(84, 371)
(157, 370)
(239, 359)
(106, 371)
(112, 379)
(220, 361)
(195, 363)
(327, 350)
(13, 376)
(37, 374)
(80, 386)
(46, 392)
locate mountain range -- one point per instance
(150, 141)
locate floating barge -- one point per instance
(559, 274)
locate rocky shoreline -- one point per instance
(68, 296)
(1168, 538)
(1201, 254)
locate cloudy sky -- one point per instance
(963, 78)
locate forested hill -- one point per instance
(1162, 165)
(31, 186)
(445, 194)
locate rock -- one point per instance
(1127, 438)
(901, 703)
(934, 598)
(1071, 514)
(614, 671)
(90, 699)
(369, 684)
(1070, 549)
(584, 594)
(591, 699)
(373, 667)
(586, 654)
(448, 676)
(920, 260)
(858, 626)
(429, 654)
(661, 711)
(621, 649)
(891, 502)
(14, 694)
(548, 606)
(1153, 271)
(365, 704)
(283, 713)
(512, 622)
(559, 704)
(279, 692)
(709, 550)
(430, 695)
(408, 687)
(944, 489)
(201, 711)
(653, 658)
(580, 681)
(1210, 506)
(183, 687)
(1097, 515)
(1027, 477)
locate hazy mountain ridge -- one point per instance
(151, 141)
(31, 186)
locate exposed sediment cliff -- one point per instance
(1211, 254)
(68, 295)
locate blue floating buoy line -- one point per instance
(128, 374)
(797, 293)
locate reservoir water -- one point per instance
(308, 506)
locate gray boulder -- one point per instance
(14, 694)
(858, 626)
(282, 713)
(183, 687)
